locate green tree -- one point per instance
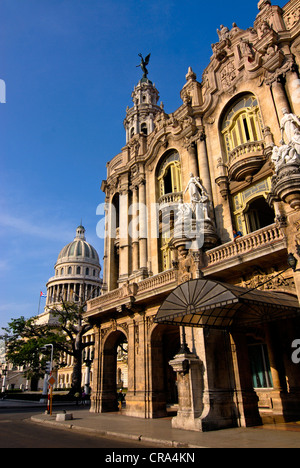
(23, 343)
(73, 326)
(24, 339)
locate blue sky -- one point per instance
(69, 68)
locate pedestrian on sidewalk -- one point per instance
(120, 399)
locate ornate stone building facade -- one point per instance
(202, 213)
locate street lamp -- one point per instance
(49, 367)
(88, 358)
(292, 261)
(4, 374)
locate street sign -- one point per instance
(51, 381)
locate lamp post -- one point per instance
(4, 374)
(88, 358)
(49, 367)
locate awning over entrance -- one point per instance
(211, 304)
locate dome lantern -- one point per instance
(80, 233)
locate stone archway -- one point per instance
(109, 401)
(165, 344)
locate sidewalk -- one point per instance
(158, 432)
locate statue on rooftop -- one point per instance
(143, 64)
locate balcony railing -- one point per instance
(246, 160)
(175, 197)
(256, 240)
(252, 147)
(166, 280)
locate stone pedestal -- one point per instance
(286, 184)
(190, 387)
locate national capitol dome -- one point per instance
(79, 250)
(77, 272)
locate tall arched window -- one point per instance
(242, 123)
(169, 175)
(170, 194)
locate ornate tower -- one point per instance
(140, 118)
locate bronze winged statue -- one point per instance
(143, 64)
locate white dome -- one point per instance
(79, 250)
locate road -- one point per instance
(18, 431)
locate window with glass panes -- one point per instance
(242, 123)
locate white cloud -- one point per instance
(36, 229)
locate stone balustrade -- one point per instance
(263, 237)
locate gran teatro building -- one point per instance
(201, 281)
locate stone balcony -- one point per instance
(133, 293)
(246, 160)
(170, 199)
(250, 248)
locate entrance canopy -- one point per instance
(211, 304)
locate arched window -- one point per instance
(170, 194)
(250, 208)
(242, 124)
(78, 270)
(69, 270)
(169, 175)
(258, 215)
(144, 129)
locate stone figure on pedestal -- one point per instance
(289, 151)
(198, 195)
(286, 160)
(290, 125)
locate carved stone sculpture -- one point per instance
(289, 151)
(286, 160)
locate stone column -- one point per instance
(246, 398)
(134, 233)
(143, 225)
(193, 163)
(204, 165)
(124, 237)
(95, 396)
(107, 240)
(137, 400)
(293, 90)
(280, 97)
(133, 349)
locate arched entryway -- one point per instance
(112, 344)
(165, 344)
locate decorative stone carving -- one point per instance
(290, 126)
(286, 161)
(193, 227)
(228, 75)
